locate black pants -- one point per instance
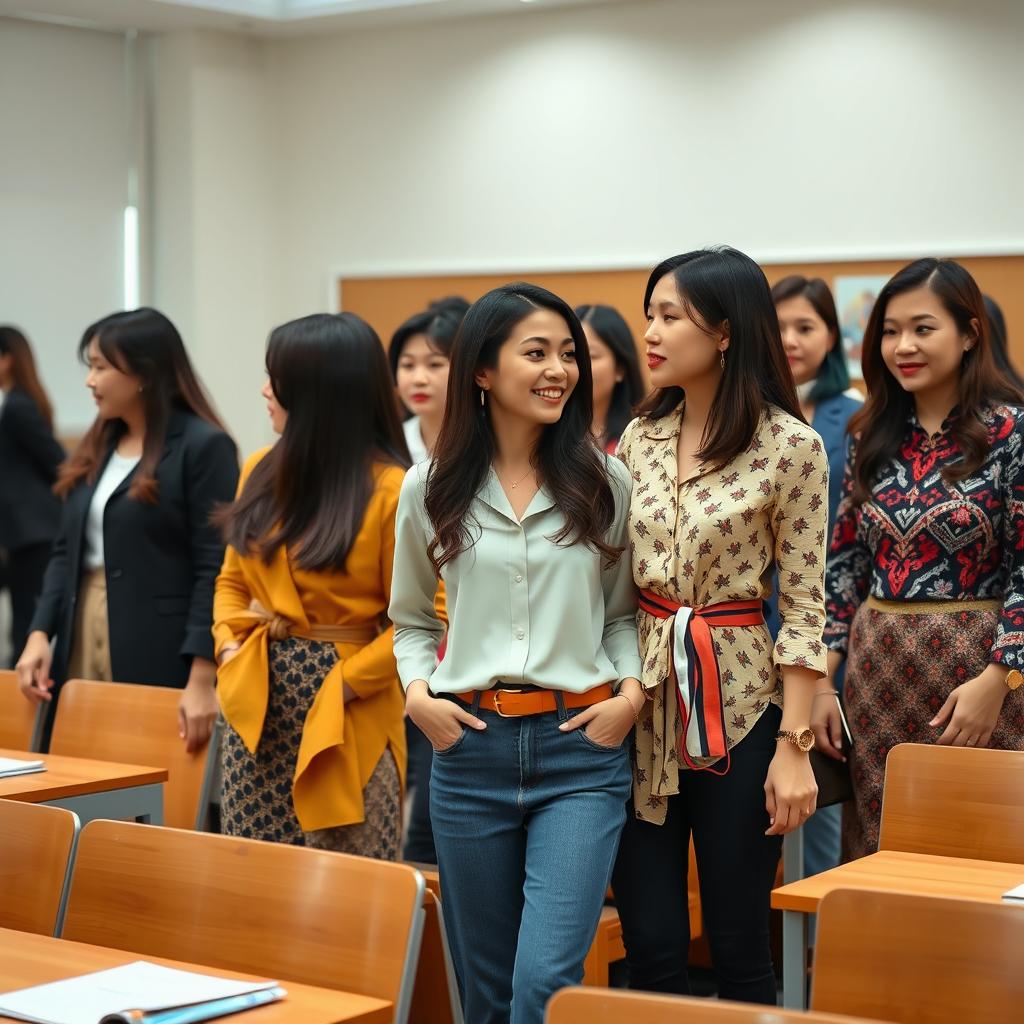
(419, 839)
(736, 865)
(23, 577)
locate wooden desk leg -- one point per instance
(794, 960)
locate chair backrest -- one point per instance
(918, 959)
(36, 844)
(614, 1006)
(435, 997)
(18, 716)
(284, 912)
(954, 802)
(137, 725)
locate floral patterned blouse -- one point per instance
(922, 539)
(711, 539)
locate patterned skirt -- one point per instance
(257, 801)
(901, 669)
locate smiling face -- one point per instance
(680, 352)
(921, 344)
(118, 395)
(806, 338)
(422, 378)
(536, 370)
(278, 414)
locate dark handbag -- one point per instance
(833, 777)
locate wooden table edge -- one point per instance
(132, 775)
(376, 1011)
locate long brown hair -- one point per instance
(715, 286)
(881, 423)
(23, 368)
(310, 492)
(567, 459)
(145, 344)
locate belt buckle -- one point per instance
(497, 702)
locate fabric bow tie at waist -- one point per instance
(693, 670)
(280, 628)
(243, 686)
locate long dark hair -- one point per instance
(23, 369)
(999, 342)
(717, 286)
(439, 323)
(612, 329)
(833, 375)
(567, 460)
(145, 344)
(881, 423)
(311, 490)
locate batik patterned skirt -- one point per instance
(257, 801)
(902, 666)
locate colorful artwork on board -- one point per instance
(855, 297)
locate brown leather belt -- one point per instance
(519, 703)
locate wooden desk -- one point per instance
(916, 874)
(27, 960)
(92, 789)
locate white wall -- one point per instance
(583, 137)
(64, 162)
(213, 211)
(614, 136)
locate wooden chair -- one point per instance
(954, 802)
(616, 1006)
(137, 725)
(435, 997)
(285, 912)
(20, 720)
(918, 959)
(36, 847)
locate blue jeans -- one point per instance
(526, 824)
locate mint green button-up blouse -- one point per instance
(522, 610)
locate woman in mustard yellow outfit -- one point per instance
(314, 750)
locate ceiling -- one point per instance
(263, 17)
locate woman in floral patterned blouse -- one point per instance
(728, 481)
(926, 575)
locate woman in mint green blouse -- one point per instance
(530, 710)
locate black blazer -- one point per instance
(161, 561)
(29, 457)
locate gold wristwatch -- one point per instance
(802, 740)
(1014, 679)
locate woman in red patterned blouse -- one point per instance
(925, 579)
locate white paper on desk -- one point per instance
(1015, 894)
(135, 986)
(10, 766)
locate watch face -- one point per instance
(805, 739)
(1014, 679)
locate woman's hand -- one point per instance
(972, 709)
(791, 794)
(440, 720)
(33, 668)
(609, 722)
(197, 709)
(826, 723)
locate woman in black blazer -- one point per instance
(128, 593)
(29, 457)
